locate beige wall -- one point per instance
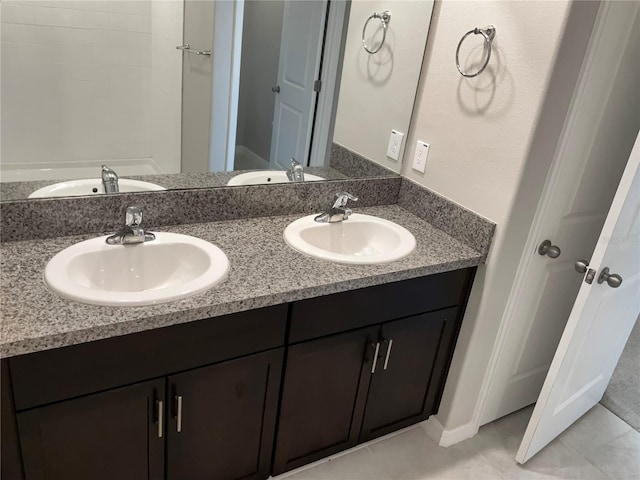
(485, 133)
(377, 91)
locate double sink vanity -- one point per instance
(241, 342)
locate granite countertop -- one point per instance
(171, 181)
(264, 271)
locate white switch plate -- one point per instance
(395, 142)
(420, 157)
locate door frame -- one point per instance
(571, 136)
(226, 89)
(225, 84)
(331, 73)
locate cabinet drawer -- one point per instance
(339, 312)
(54, 375)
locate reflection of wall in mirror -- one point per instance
(91, 81)
(262, 29)
(377, 91)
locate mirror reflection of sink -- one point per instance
(92, 186)
(171, 267)
(267, 176)
(361, 239)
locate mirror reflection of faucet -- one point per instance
(296, 173)
(109, 180)
(337, 211)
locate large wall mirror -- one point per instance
(203, 93)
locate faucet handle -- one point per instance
(341, 199)
(133, 217)
(295, 163)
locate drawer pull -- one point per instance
(386, 359)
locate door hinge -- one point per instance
(317, 85)
(591, 274)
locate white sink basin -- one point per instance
(267, 176)
(171, 267)
(92, 186)
(362, 239)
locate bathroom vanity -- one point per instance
(244, 395)
(288, 361)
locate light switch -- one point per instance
(420, 157)
(395, 142)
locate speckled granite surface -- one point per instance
(456, 220)
(54, 217)
(264, 271)
(355, 166)
(21, 190)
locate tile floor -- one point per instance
(599, 446)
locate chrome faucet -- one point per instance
(109, 180)
(296, 173)
(131, 232)
(337, 211)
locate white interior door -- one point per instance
(599, 324)
(298, 69)
(598, 137)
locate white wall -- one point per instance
(377, 91)
(166, 83)
(262, 30)
(482, 134)
(77, 75)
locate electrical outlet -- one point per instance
(395, 142)
(420, 157)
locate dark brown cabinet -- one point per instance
(352, 387)
(222, 419)
(218, 422)
(402, 387)
(108, 435)
(323, 397)
(214, 399)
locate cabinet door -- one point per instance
(409, 366)
(323, 397)
(115, 434)
(223, 419)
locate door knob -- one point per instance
(581, 266)
(276, 89)
(545, 248)
(613, 280)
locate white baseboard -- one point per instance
(446, 438)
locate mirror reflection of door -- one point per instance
(280, 63)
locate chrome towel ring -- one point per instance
(488, 33)
(385, 18)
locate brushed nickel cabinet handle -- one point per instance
(179, 417)
(375, 358)
(160, 406)
(386, 358)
